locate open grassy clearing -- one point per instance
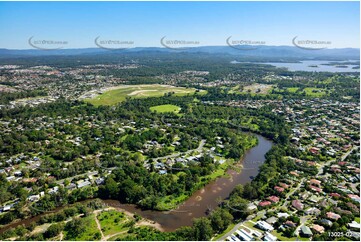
(310, 91)
(113, 222)
(167, 108)
(89, 231)
(292, 89)
(315, 92)
(258, 88)
(283, 238)
(255, 88)
(118, 94)
(171, 202)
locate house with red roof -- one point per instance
(311, 163)
(354, 197)
(297, 204)
(314, 150)
(294, 173)
(290, 224)
(335, 169)
(353, 207)
(334, 216)
(315, 182)
(279, 189)
(284, 185)
(318, 228)
(264, 203)
(273, 199)
(334, 194)
(316, 189)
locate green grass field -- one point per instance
(315, 92)
(89, 231)
(310, 91)
(292, 89)
(167, 108)
(120, 93)
(113, 222)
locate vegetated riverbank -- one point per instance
(221, 171)
(198, 204)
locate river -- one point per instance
(208, 197)
(201, 201)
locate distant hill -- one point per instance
(259, 51)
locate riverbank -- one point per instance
(199, 203)
(207, 198)
(170, 203)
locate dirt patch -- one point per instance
(144, 221)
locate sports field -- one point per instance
(310, 91)
(118, 94)
(167, 108)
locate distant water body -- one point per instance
(318, 66)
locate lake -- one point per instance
(310, 65)
(317, 66)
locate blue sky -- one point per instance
(209, 23)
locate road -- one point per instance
(292, 192)
(303, 218)
(89, 173)
(92, 173)
(236, 227)
(348, 153)
(199, 149)
(343, 157)
(98, 224)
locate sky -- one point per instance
(207, 23)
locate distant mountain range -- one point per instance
(237, 51)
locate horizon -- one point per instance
(162, 47)
(144, 24)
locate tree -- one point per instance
(53, 230)
(249, 191)
(238, 207)
(111, 188)
(185, 233)
(74, 228)
(237, 190)
(220, 219)
(97, 236)
(202, 229)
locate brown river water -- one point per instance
(202, 201)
